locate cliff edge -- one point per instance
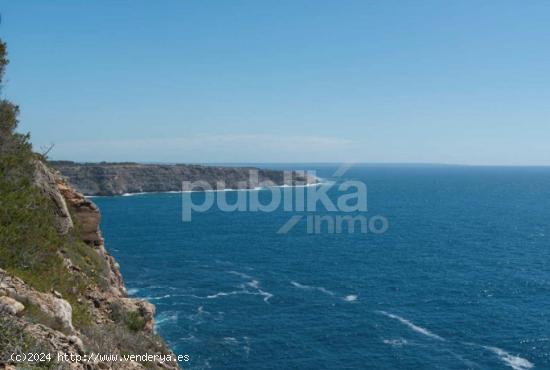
(81, 306)
(63, 304)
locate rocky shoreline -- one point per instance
(128, 178)
(114, 322)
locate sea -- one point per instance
(451, 271)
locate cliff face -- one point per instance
(61, 293)
(120, 178)
(85, 308)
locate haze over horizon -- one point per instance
(285, 81)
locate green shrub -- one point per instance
(118, 338)
(133, 320)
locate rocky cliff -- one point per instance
(120, 178)
(63, 304)
(81, 305)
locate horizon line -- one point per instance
(411, 164)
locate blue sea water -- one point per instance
(460, 280)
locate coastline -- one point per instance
(319, 182)
(131, 178)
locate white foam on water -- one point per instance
(350, 298)
(207, 190)
(166, 318)
(243, 275)
(158, 298)
(132, 291)
(230, 340)
(309, 287)
(257, 188)
(347, 298)
(515, 362)
(198, 317)
(256, 285)
(223, 294)
(253, 283)
(246, 347)
(162, 287)
(395, 342)
(326, 291)
(311, 185)
(244, 343)
(265, 294)
(189, 338)
(411, 325)
(185, 295)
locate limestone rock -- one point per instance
(10, 306)
(46, 180)
(63, 312)
(147, 310)
(46, 317)
(56, 308)
(86, 214)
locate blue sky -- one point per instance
(283, 81)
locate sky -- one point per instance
(462, 82)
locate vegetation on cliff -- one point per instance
(60, 290)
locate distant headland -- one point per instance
(107, 178)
